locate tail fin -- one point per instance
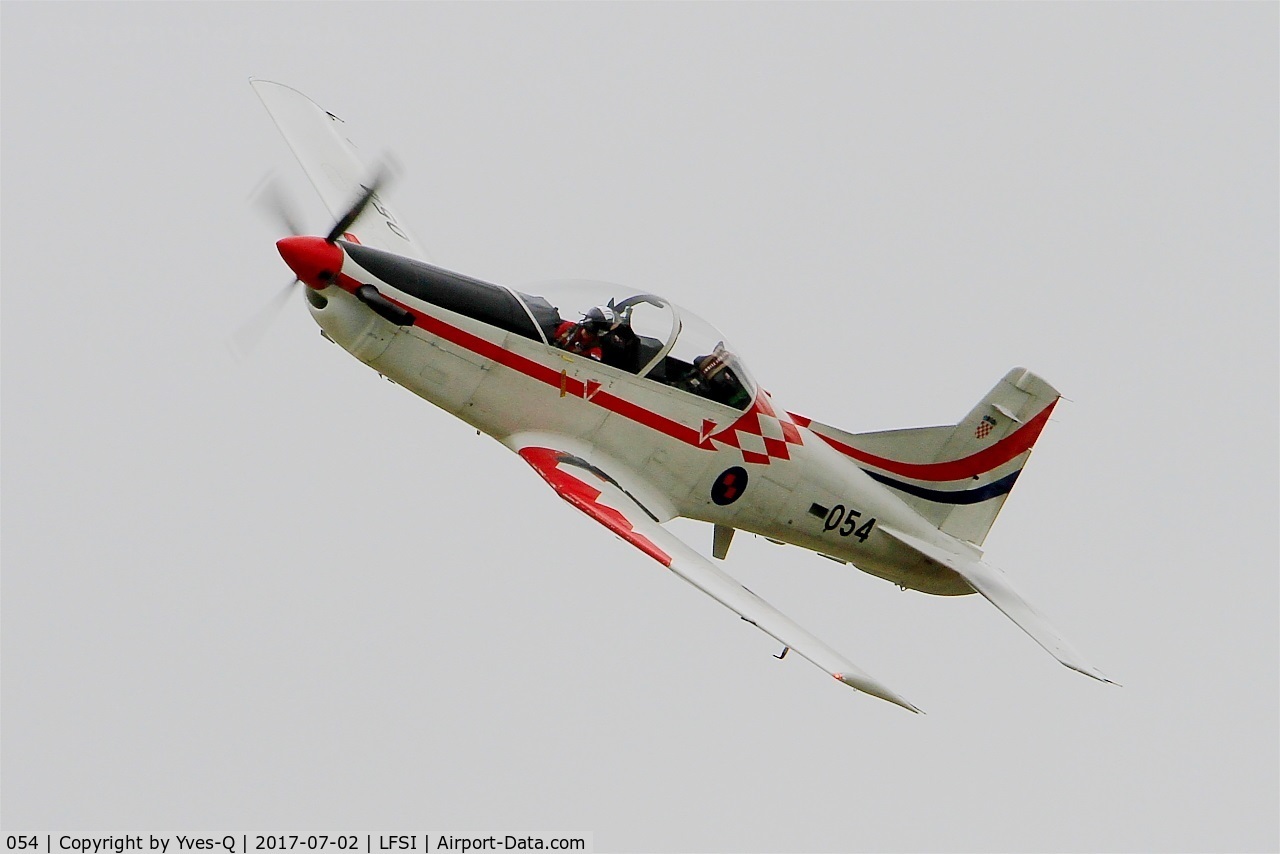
(958, 476)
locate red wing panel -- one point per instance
(558, 469)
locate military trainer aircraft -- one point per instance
(635, 411)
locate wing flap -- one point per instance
(598, 494)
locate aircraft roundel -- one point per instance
(729, 486)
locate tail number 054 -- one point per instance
(846, 523)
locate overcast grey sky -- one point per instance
(284, 595)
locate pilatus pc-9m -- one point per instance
(635, 411)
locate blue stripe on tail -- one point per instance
(944, 496)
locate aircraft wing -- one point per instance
(994, 585)
(320, 143)
(591, 489)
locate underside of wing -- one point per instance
(994, 585)
(620, 506)
(339, 175)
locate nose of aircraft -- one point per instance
(314, 260)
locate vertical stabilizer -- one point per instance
(958, 476)
(1011, 415)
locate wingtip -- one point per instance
(910, 708)
(1092, 673)
(867, 686)
(1102, 677)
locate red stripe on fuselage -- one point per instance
(544, 374)
(1001, 452)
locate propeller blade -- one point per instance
(249, 336)
(353, 213)
(272, 200)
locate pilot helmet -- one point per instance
(713, 365)
(600, 319)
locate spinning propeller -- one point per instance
(315, 261)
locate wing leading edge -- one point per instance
(597, 493)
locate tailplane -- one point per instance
(958, 476)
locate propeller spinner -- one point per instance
(315, 261)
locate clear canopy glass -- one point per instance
(642, 334)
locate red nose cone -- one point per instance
(312, 259)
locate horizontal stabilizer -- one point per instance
(993, 584)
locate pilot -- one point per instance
(585, 338)
(709, 367)
(709, 378)
(621, 346)
(698, 377)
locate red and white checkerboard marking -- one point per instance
(761, 434)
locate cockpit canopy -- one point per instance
(630, 330)
(643, 334)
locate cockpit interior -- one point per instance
(642, 334)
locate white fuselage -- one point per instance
(798, 491)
